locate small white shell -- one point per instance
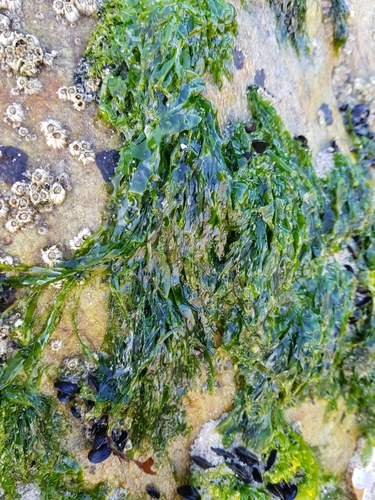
(21, 82)
(4, 207)
(12, 225)
(52, 255)
(33, 86)
(7, 37)
(22, 132)
(49, 126)
(57, 194)
(23, 202)
(14, 4)
(57, 140)
(20, 188)
(77, 241)
(87, 157)
(24, 216)
(58, 7)
(13, 201)
(62, 93)
(39, 177)
(72, 91)
(4, 22)
(87, 7)
(71, 13)
(75, 148)
(79, 105)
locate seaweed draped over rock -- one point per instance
(208, 242)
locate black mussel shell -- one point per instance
(188, 492)
(63, 398)
(93, 383)
(75, 412)
(283, 490)
(99, 455)
(247, 155)
(302, 139)
(120, 440)
(202, 462)
(349, 268)
(244, 472)
(290, 491)
(67, 387)
(99, 441)
(222, 453)
(260, 146)
(271, 459)
(257, 476)
(153, 492)
(89, 405)
(250, 127)
(246, 455)
(275, 489)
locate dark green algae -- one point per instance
(205, 243)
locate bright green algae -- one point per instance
(207, 243)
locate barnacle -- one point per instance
(19, 188)
(71, 13)
(58, 7)
(79, 105)
(87, 7)
(14, 114)
(12, 225)
(39, 177)
(33, 86)
(4, 22)
(87, 157)
(23, 202)
(52, 255)
(14, 4)
(13, 201)
(77, 241)
(23, 131)
(30, 137)
(21, 82)
(75, 148)
(62, 93)
(7, 37)
(57, 140)
(4, 207)
(57, 194)
(49, 126)
(49, 58)
(24, 216)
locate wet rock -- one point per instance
(13, 164)
(260, 78)
(106, 162)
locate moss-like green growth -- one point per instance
(291, 18)
(339, 15)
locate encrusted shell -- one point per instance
(4, 22)
(7, 37)
(4, 207)
(52, 255)
(79, 105)
(39, 177)
(14, 4)
(57, 194)
(15, 114)
(24, 216)
(75, 148)
(21, 82)
(22, 132)
(12, 225)
(57, 140)
(49, 126)
(14, 201)
(58, 7)
(87, 7)
(77, 241)
(87, 157)
(33, 86)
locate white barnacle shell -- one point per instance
(22, 132)
(4, 22)
(58, 7)
(33, 86)
(87, 7)
(49, 126)
(52, 255)
(20, 188)
(87, 157)
(71, 13)
(49, 58)
(7, 37)
(15, 113)
(23, 202)
(12, 225)
(79, 105)
(39, 177)
(4, 207)
(57, 140)
(14, 4)
(57, 194)
(75, 148)
(35, 198)
(21, 82)
(72, 91)
(77, 241)
(62, 93)
(31, 137)
(24, 216)
(28, 69)
(13, 201)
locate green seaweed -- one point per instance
(291, 19)
(339, 14)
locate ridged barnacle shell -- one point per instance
(28, 69)
(71, 13)
(39, 176)
(57, 194)
(21, 82)
(57, 140)
(32, 41)
(9, 50)
(49, 126)
(32, 223)
(87, 157)
(24, 216)
(7, 37)
(72, 91)
(49, 58)
(87, 7)
(23, 131)
(12, 62)
(15, 113)
(52, 255)
(38, 54)
(58, 7)
(33, 86)
(77, 241)
(12, 225)
(4, 22)
(23, 202)
(35, 198)
(75, 148)
(14, 4)
(6, 259)
(79, 105)
(4, 207)
(30, 137)
(62, 93)
(20, 188)
(13, 201)
(64, 179)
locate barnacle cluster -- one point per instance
(55, 134)
(30, 86)
(74, 94)
(14, 116)
(21, 53)
(83, 151)
(27, 200)
(73, 9)
(13, 5)
(78, 240)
